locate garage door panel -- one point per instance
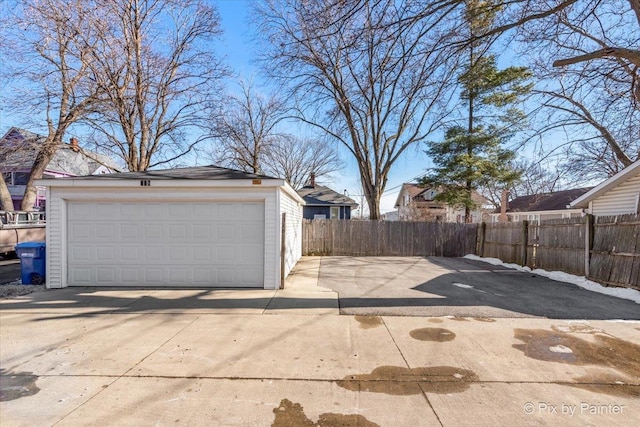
(129, 275)
(80, 232)
(166, 244)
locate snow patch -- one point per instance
(560, 349)
(624, 293)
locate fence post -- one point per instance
(588, 243)
(480, 236)
(525, 238)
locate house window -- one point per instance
(8, 178)
(20, 178)
(335, 212)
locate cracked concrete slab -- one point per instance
(112, 358)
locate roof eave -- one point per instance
(628, 172)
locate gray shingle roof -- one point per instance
(66, 160)
(320, 195)
(197, 172)
(556, 200)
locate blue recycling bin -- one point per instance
(32, 262)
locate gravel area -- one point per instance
(15, 289)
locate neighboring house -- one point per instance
(69, 160)
(390, 216)
(415, 203)
(618, 195)
(323, 203)
(537, 207)
(188, 227)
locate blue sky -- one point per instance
(238, 50)
(237, 46)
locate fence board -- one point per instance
(615, 257)
(388, 238)
(558, 245)
(502, 241)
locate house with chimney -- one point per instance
(417, 203)
(19, 150)
(324, 203)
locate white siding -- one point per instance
(57, 217)
(55, 233)
(293, 234)
(622, 199)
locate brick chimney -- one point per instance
(313, 179)
(504, 205)
(74, 144)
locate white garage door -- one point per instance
(213, 244)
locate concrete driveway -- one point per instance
(415, 286)
(286, 358)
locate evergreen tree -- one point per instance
(473, 155)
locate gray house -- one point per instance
(323, 203)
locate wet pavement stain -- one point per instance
(432, 334)
(290, 414)
(484, 319)
(604, 351)
(369, 322)
(611, 385)
(16, 385)
(399, 381)
(577, 329)
(434, 320)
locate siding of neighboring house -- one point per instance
(622, 199)
(311, 211)
(537, 215)
(293, 231)
(417, 204)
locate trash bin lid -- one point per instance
(24, 245)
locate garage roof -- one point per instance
(197, 172)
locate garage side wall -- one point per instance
(55, 232)
(293, 231)
(58, 198)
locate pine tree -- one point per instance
(471, 156)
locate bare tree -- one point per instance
(593, 94)
(159, 75)
(295, 160)
(246, 129)
(368, 74)
(49, 57)
(590, 58)
(536, 177)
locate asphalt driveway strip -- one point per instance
(434, 286)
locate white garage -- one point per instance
(189, 227)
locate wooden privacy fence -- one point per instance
(606, 249)
(615, 251)
(387, 238)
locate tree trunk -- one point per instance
(6, 204)
(37, 170)
(373, 196)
